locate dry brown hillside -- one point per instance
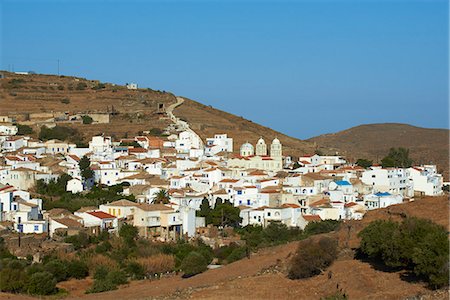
(373, 141)
(27, 96)
(263, 275)
(207, 121)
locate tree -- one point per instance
(225, 214)
(416, 244)
(397, 157)
(205, 211)
(128, 233)
(193, 264)
(85, 168)
(364, 163)
(161, 197)
(313, 257)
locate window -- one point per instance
(268, 214)
(36, 227)
(248, 202)
(239, 192)
(373, 176)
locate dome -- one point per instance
(247, 146)
(276, 141)
(261, 141)
(247, 149)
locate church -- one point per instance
(248, 159)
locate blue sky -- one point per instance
(301, 67)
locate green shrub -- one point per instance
(101, 272)
(418, 245)
(135, 270)
(58, 269)
(117, 277)
(194, 263)
(77, 269)
(103, 247)
(87, 119)
(237, 254)
(81, 86)
(41, 283)
(101, 286)
(312, 257)
(321, 227)
(13, 280)
(24, 129)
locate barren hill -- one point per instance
(37, 95)
(373, 141)
(207, 121)
(136, 110)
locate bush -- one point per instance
(60, 133)
(41, 283)
(321, 227)
(418, 245)
(101, 286)
(157, 264)
(237, 254)
(65, 101)
(312, 257)
(135, 270)
(24, 129)
(193, 264)
(101, 272)
(117, 277)
(87, 119)
(58, 269)
(81, 86)
(78, 241)
(77, 269)
(103, 247)
(13, 280)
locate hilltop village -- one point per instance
(165, 180)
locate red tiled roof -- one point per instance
(312, 218)
(101, 215)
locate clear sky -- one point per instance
(301, 67)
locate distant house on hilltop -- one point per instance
(131, 86)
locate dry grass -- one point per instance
(156, 264)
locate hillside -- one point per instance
(207, 121)
(135, 110)
(29, 97)
(374, 140)
(262, 276)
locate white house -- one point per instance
(381, 200)
(426, 180)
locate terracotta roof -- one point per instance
(312, 218)
(229, 180)
(350, 204)
(74, 157)
(101, 215)
(290, 205)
